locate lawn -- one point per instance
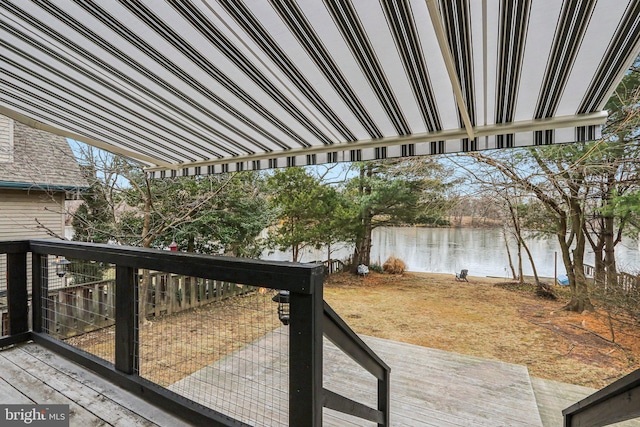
(487, 318)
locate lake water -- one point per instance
(448, 250)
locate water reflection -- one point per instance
(448, 250)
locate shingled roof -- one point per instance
(35, 159)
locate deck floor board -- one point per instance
(6, 390)
(43, 377)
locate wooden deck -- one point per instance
(437, 388)
(428, 388)
(31, 374)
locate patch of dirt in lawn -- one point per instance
(489, 318)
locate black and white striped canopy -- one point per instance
(208, 86)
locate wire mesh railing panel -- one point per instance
(219, 344)
(4, 309)
(78, 304)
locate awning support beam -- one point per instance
(445, 49)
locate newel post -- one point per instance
(17, 295)
(384, 398)
(126, 320)
(305, 353)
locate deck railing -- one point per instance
(334, 265)
(339, 333)
(169, 358)
(619, 401)
(626, 282)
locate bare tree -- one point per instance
(504, 197)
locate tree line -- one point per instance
(242, 214)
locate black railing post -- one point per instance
(305, 357)
(39, 291)
(17, 294)
(126, 320)
(384, 398)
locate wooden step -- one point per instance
(554, 396)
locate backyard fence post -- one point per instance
(126, 320)
(305, 355)
(17, 295)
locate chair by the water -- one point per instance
(462, 276)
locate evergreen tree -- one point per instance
(395, 192)
(303, 207)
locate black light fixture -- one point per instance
(61, 266)
(282, 298)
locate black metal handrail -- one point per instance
(310, 317)
(340, 334)
(281, 275)
(619, 401)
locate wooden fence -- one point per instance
(332, 265)
(78, 309)
(336, 266)
(627, 282)
(589, 271)
(171, 293)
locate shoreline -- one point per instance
(528, 278)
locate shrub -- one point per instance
(376, 267)
(394, 265)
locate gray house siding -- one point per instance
(34, 167)
(31, 214)
(37, 170)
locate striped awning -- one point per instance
(208, 86)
